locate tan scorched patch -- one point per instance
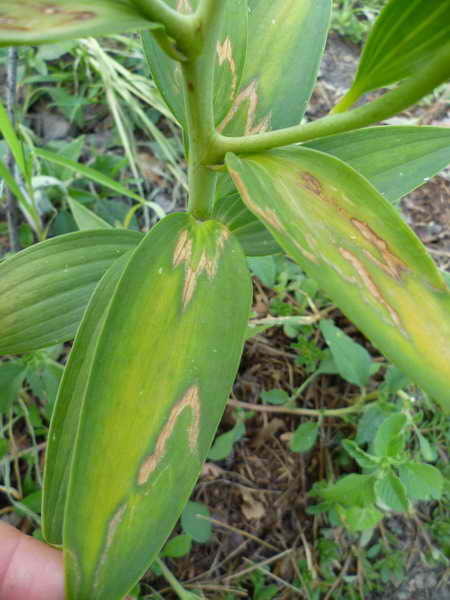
(189, 400)
(184, 6)
(113, 524)
(392, 265)
(250, 94)
(225, 54)
(370, 284)
(266, 214)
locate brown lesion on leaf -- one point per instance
(113, 524)
(306, 253)
(370, 285)
(190, 400)
(225, 54)
(183, 248)
(82, 15)
(392, 265)
(250, 94)
(309, 182)
(266, 214)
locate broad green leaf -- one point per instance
(422, 482)
(391, 493)
(352, 360)
(66, 416)
(163, 367)
(395, 160)
(427, 451)
(276, 396)
(350, 490)
(304, 437)
(223, 444)
(390, 437)
(193, 524)
(286, 40)
(264, 268)
(343, 233)
(12, 375)
(88, 172)
(230, 49)
(253, 236)
(30, 22)
(359, 518)
(178, 546)
(45, 288)
(85, 218)
(407, 34)
(364, 460)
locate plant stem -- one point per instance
(407, 93)
(308, 412)
(182, 28)
(198, 76)
(174, 583)
(12, 210)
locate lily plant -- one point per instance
(160, 319)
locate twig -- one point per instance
(12, 211)
(254, 566)
(307, 412)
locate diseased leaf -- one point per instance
(406, 35)
(285, 44)
(66, 416)
(395, 160)
(254, 237)
(33, 22)
(45, 288)
(230, 49)
(354, 243)
(176, 327)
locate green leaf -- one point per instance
(285, 44)
(276, 396)
(89, 172)
(29, 22)
(394, 381)
(254, 237)
(230, 49)
(45, 288)
(407, 34)
(391, 493)
(85, 218)
(427, 451)
(359, 518)
(390, 437)
(304, 437)
(12, 375)
(350, 490)
(364, 460)
(178, 546)
(223, 444)
(371, 419)
(67, 411)
(352, 360)
(14, 144)
(395, 160)
(422, 482)
(343, 233)
(265, 268)
(150, 407)
(192, 523)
